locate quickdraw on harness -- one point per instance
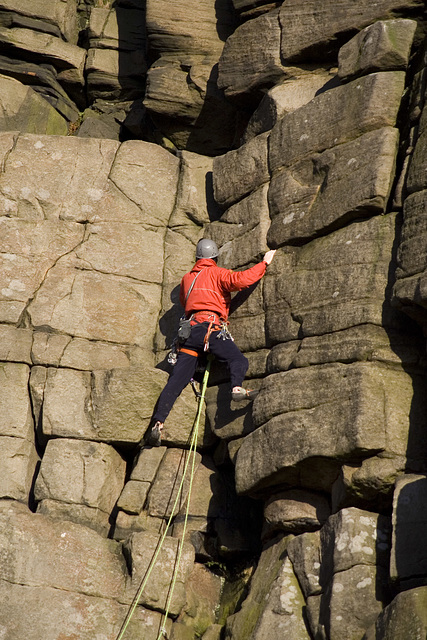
(191, 457)
(216, 324)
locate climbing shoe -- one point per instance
(154, 438)
(239, 393)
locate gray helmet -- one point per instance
(206, 249)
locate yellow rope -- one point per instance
(193, 449)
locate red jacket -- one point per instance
(211, 291)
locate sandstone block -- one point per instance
(354, 537)
(147, 464)
(257, 363)
(369, 484)
(49, 178)
(289, 95)
(242, 624)
(24, 110)
(195, 203)
(247, 6)
(206, 499)
(305, 555)
(45, 48)
(115, 408)
(130, 251)
(18, 461)
(15, 344)
(313, 604)
(32, 613)
(409, 289)
(187, 107)
(126, 524)
(141, 547)
(15, 409)
(16, 20)
(307, 301)
(56, 13)
(203, 593)
(29, 250)
(61, 555)
(363, 342)
(79, 472)
(251, 56)
(295, 511)
(100, 126)
(333, 396)
(412, 259)
(132, 498)
(404, 617)
(170, 94)
(408, 559)
(43, 79)
(282, 356)
(65, 404)
(37, 385)
(336, 116)
(330, 189)
(166, 486)
(249, 331)
(148, 175)
(308, 30)
(115, 74)
(284, 608)
(192, 27)
(70, 301)
(79, 353)
(240, 171)
(355, 602)
(117, 28)
(383, 46)
(90, 517)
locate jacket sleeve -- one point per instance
(237, 280)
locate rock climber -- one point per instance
(205, 294)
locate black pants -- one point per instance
(184, 369)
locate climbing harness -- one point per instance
(216, 323)
(190, 352)
(191, 456)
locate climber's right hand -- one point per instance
(269, 256)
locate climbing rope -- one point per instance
(192, 456)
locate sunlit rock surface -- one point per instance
(129, 131)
